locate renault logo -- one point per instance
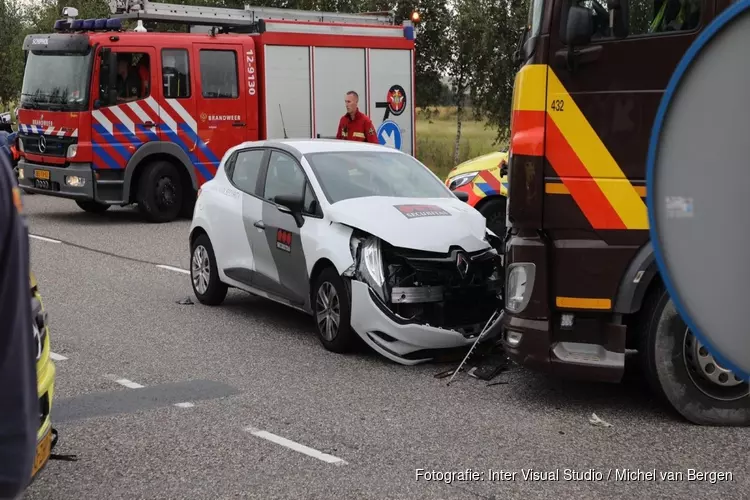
(462, 264)
(42, 144)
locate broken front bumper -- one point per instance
(398, 339)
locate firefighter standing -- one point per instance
(19, 403)
(355, 125)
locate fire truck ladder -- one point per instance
(146, 10)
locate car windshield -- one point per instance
(358, 174)
(67, 89)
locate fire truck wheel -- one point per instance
(494, 212)
(681, 371)
(160, 192)
(92, 206)
(332, 310)
(204, 274)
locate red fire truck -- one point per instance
(112, 117)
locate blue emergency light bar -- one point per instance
(89, 25)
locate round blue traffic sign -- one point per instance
(389, 134)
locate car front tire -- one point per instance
(204, 274)
(331, 305)
(682, 371)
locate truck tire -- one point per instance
(92, 206)
(683, 373)
(160, 192)
(494, 212)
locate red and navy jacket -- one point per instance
(359, 128)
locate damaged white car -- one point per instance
(362, 237)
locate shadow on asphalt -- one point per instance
(630, 399)
(115, 215)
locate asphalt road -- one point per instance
(159, 399)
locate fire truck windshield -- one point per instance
(56, 81)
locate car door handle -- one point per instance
(238, 124)
(149, 124)
(259, 224)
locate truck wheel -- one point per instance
(682, 371)
(204, 274)
(160, 192)
(332, 310)
(92, 206)
(494, 212)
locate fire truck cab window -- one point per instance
(175, 70)
(133, 76)
(219, 78)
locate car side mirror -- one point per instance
(580, 26)
(292, 205)
(461, 195)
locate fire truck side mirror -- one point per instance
(107, 77)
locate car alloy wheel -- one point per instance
(328, 311)
(201, 269)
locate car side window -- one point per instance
(310, 205)
(246, 169)
(284, 177)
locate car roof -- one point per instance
(299, 147)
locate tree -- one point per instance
(494, 69)
(11, 53)
(463, 34)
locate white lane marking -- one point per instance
(57, 357)
(42, 238)
(170, 268)
(123, 381)
(325, 457)
(184, 405)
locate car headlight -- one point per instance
(461, 180)
(369, 261)
(519, 286)
(38, 326)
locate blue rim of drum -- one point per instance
(693, 51)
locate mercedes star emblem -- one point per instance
(42, 144)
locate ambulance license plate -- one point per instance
(41, 174)
(43, 451)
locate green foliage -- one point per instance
(11, 54)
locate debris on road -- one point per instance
(598, 422)
(485, 363)
(187, 301)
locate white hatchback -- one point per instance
(363, 237)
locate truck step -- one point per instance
(588, 354)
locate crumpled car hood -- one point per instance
(432, 225)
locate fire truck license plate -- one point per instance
(43, 450)
(42, 174)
